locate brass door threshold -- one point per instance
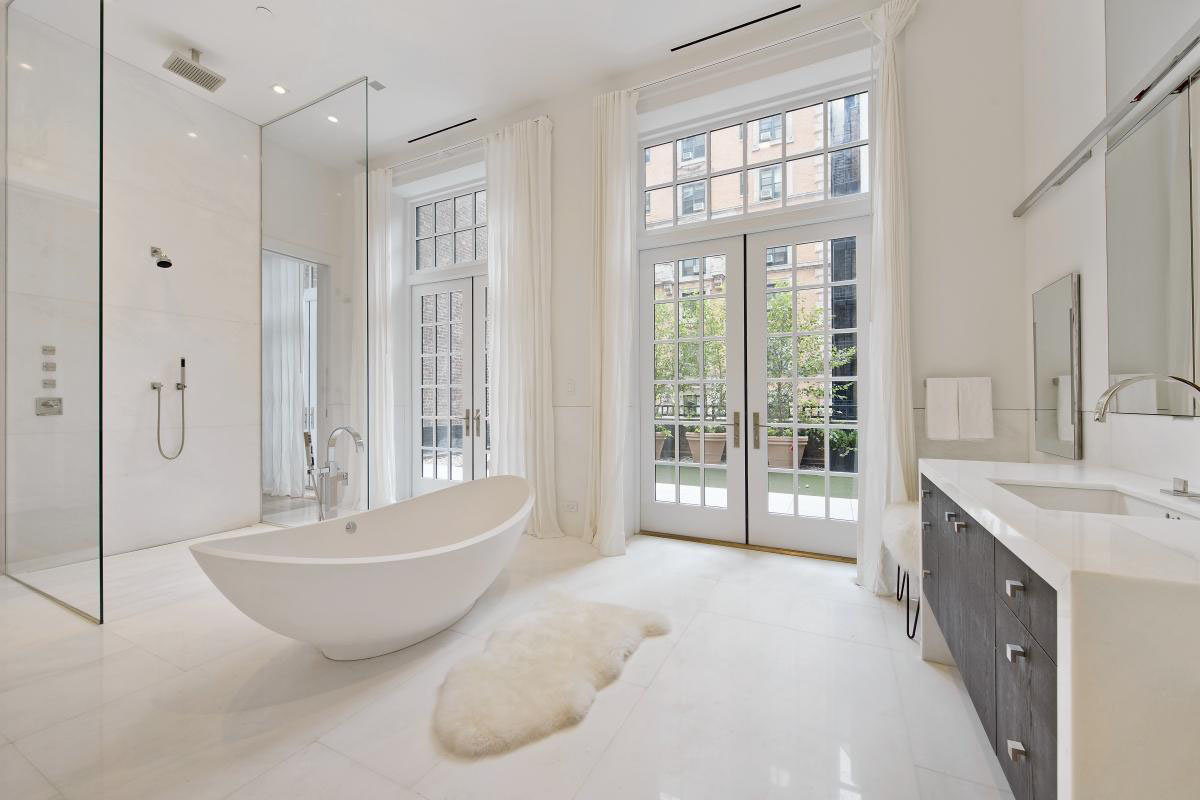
(756, 547)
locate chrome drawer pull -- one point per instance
(959, 527)
(1012, 587)
(925, 573)
(926, 493)
(950, 515)
(1014, 651)
(1016, 750)
(925, 524)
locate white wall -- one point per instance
(198, 199)
(962, 95)
(1064, 99)
(964, 103)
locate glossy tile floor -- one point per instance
(780, 679)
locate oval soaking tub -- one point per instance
(370, 583)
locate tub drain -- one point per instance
(351, 527)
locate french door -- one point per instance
(750, 383)
(450, 371)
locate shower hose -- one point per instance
(182, 420)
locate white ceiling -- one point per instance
(441, 61)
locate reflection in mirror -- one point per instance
(314, 309)
(1057, 420)
(1151, 305)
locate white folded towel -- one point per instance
(1066, 416)
(975, 408)
(941, 408)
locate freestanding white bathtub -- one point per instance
(370, 583)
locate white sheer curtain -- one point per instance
(282, 379)
(889, 463)
(380, 313)
(519, 266)
(614, 265)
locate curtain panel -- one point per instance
(519, 281)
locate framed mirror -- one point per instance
(1058, 427)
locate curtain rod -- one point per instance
(656, 82)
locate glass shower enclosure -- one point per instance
(314, 306)
(52, 309)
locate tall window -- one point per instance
(451, 230)
(790, 158)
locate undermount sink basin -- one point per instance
(1091, 500)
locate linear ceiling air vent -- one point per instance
(443, 130)
(735, 28)
(377, 86)
(190, 70)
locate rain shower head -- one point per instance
(189, 68)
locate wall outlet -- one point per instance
(571, 507)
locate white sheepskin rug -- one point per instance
(538, 673)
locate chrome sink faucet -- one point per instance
(328, 479)
(1106, 399)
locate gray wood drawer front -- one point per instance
(1031, 600)
(973, 640)
(1026, 710)
(929, 544)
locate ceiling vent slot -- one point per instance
(443, 130)
(377, 86)
(190, 70)
(735, 28)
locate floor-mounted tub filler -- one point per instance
(370, 583)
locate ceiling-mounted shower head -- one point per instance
(190, 69)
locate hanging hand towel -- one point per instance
(941, 408)
(975, 408)
(1066, 416)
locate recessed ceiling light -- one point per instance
(332, 118)
(279, 89)
(23, 65)
(191, 134)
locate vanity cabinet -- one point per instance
(998, 619)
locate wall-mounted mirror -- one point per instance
(1152, 308)
(1057, 418)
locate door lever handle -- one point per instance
(757, 425)
(737, 429)
(467, 423)
(478, 426)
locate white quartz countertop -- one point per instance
(1056, 544)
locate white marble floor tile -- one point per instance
(20, 779)
(33, 706)
(944, 731)
(394, 736)
(936, 786)
(318, 773)
(780, 678)
(192, 631)
(213, 729)
(794, 607)
(747, 710)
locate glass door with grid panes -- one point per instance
(692, 390)
(451, 437)
(802, 368)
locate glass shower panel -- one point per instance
(314, 335)
(52, 538)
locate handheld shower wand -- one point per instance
(181, 387)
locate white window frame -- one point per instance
(465, 269)
(827, 210)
